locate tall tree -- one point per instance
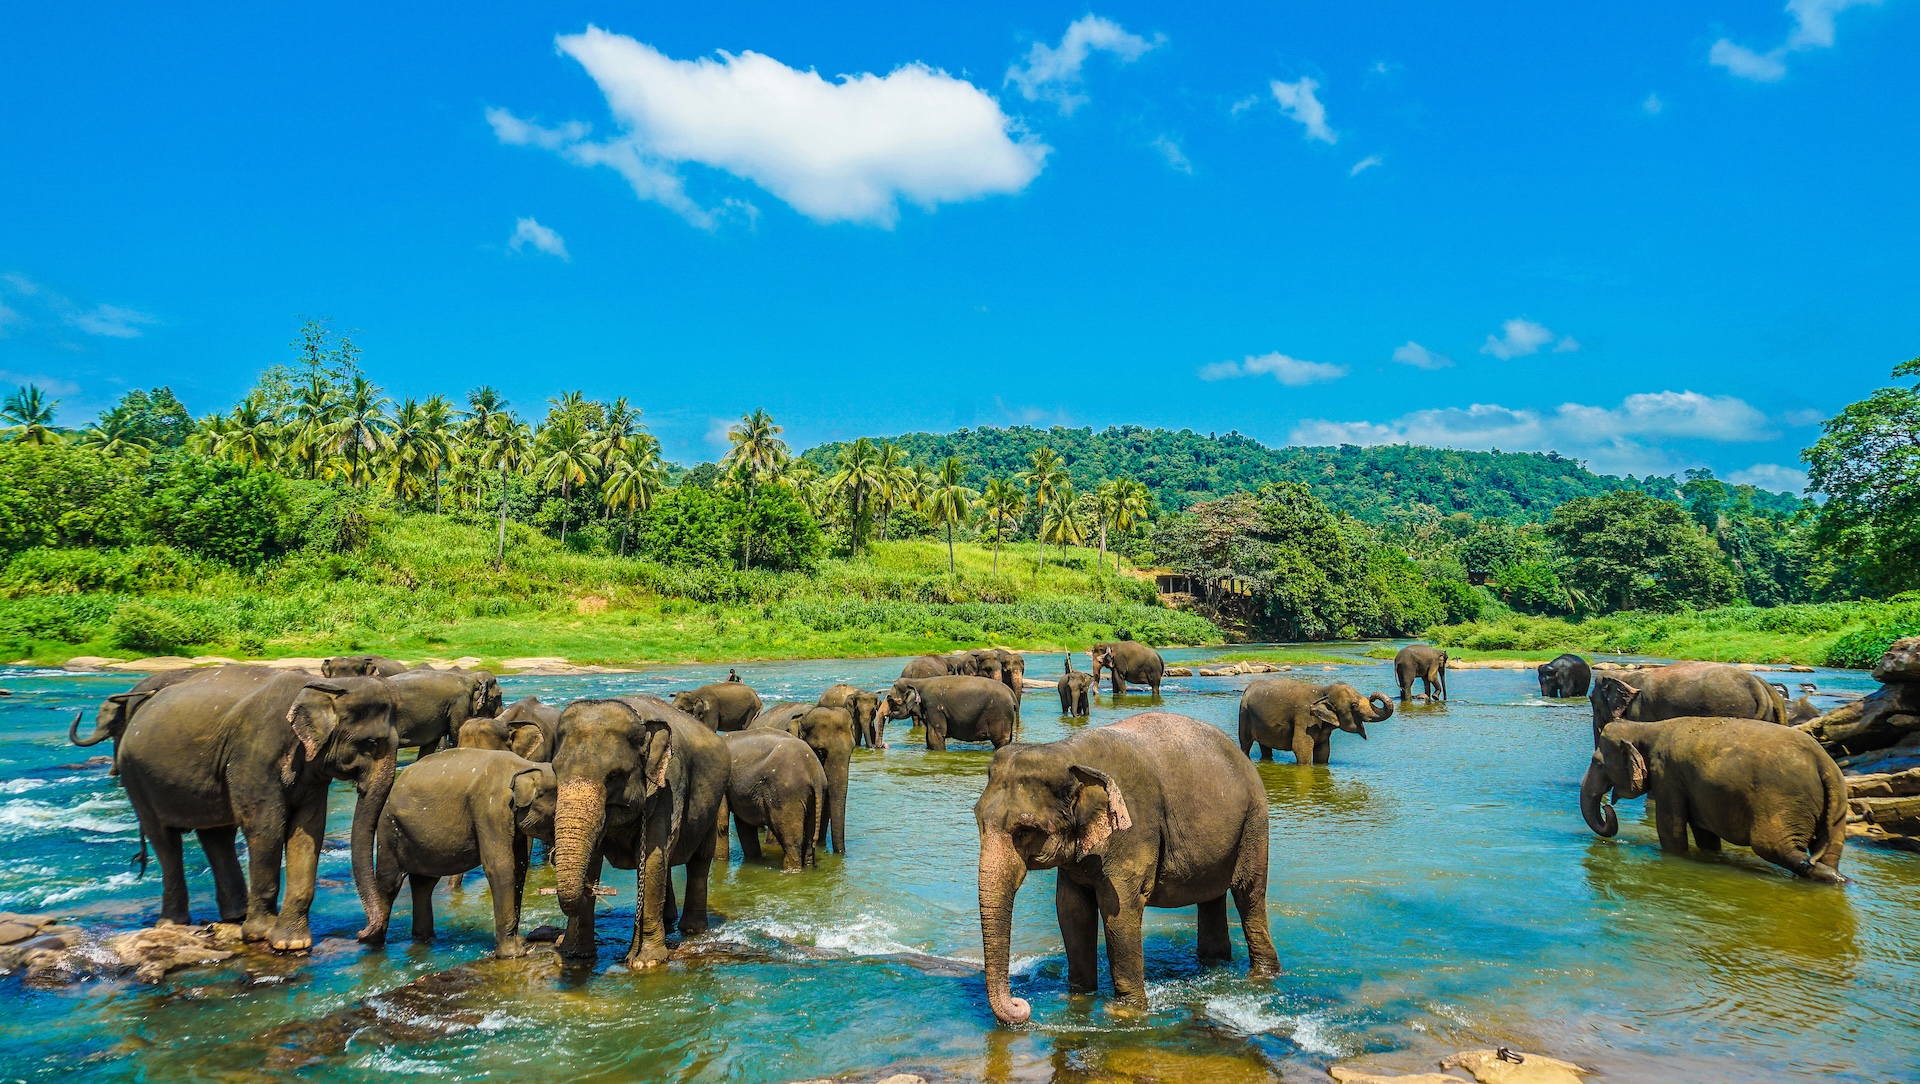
(29, 417)
(893, 482)
(950, 501)
(116, 434)
(500, 442)
(440, 439)
(569, 460)
(1045, 475)
(414, 453)
(362, 432)
(855, 483)
(1119, 503)
(635, 478)
(1002, 503)
(756, 455)
(1867, 462)
(1063, 524)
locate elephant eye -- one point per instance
(1028, 837)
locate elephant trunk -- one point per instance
(99, 735)
(1001, 871)
(579, 817)
(837, 771)
(1593, 805)
(1382, 711)
(374, 786)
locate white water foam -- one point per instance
(1249, 1014)
(23, 785)
(106, 816)
(388, 1062)
(118, 880)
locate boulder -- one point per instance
(1895, 785)
(154, 952)
(1900, 816)
(87, 664)
(152, 664)
(1179, 671)
(1901, 663)
(1504, 1066)
(1345, 1075)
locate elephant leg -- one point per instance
(1080, 931)
(266, 832)
(649, 948)
(1670, 820)
(422, 889)
(693, 912)
(936, 736)
(669, 903)
(305, 830)
(1266, 751)
(504, 870)
(1322, 748)
(1302, 745)
(387, 877)
(229, 880)
(429, 747)
(173, 877)
(790, 828)
(720, 843)
(1126, 955)
(1704, 839)
(1249, 891)
(749, 839)
(1216, 944)
(578, 940)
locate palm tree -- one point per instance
(439, 439)
(620, 426)
(635, 476)
(1119, 503)
(855, 483)
(1002, 503)
(1064, 524)
(248, 436)
(502, 442)
(893, 483)
(950, 502)
(570, 460)
(30, 417)
(315, 409)
(920, 483)
(757, 453)
(413, 454)
(1045, 475)
(115, 434)
(361, 432)
(486, 408)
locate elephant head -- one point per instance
(484, 734)
(987, 664)
(1340, 706)
(344, 729)
(902, 702)
(486, 694)
(610, 760)
(1039, 811)
(1611, 699)
(533, 800)
(1618, 765)
(110, 721)
(1549, 679)
(829, 733)
(700, 706)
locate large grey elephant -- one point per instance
(254, 749)
(1282, 713)
(1114, 810)
(527, 727)
(725, 706)
(116, 711)
(869, 728)
(1565, 676)
(1013, 674)
(429, 706)
(1684, 689)
(361, 666)
(1423, 663)
(1075, 688)
(1743, 781)
(829, 733)
(956, 708)
(641, 784)
(1129, 662)
(776, 783)
(927, 666)
(450, 813)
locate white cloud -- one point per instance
(1244, 104)
(1420, 357)
(1812, 29)
(527, 231)
(1519, 338)
(1567, 345)
(1176, 158)
(844, 151)
(1365, 164)
(1653, 104)
(1054, 72)
(1298, 101)
(35, 306)
(112, 321)
(1771, 476)
(1292, 372)
(1621, 438)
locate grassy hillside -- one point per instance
(425, 585)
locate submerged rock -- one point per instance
(1499, 1066)
(154, 952)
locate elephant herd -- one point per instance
(1155, 810)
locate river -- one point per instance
(1433, 889)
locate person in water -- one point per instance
(732, 674)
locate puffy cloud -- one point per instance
(1620, 438)
(844, 151)
(36, 307)
(1176, 158)
(1412, 353)
(1365, 164)
(1298, 101)
(1292, 372)
(1812, 29)
(1771, 476)
(1053, 72)
(527, 231)
(1518, 338)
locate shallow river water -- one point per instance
(1433, 889)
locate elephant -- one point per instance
(251, 748)
(781, 716)
(1075, 689)
(1115, 812)
(361, 666)
(961, 708)
(776, 783)
(522, 741)
(923, 666)
(430, 705)
(1681, 689)
(528, 716)
(1423, 662)
(723, 705)
(829, 733)
(641, 785)
(110, 722)
(1013, 673)
(982, 662)
(869, 728)
(1282, 713)
(1130, 662)
(1565, 677)
(1745, 781)
(450, 813)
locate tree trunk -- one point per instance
(1102, 562)
(996, 549)
(1043, 543)
(500, 553)
(566, 506)
(949, 547)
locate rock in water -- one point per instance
(154, 952)
(1504, 1066)
(1900, 663)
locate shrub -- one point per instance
(1461, 601)
(58, 495)
(1861, 650)
(686, 526)
(137, 626)
(780, 530)
(234, 514)
(42, 571)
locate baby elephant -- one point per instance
(1748, 782)
(451, 812)
(776, 783)
(1075, 689)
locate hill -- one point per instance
(1376, 484)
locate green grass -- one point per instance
(425, 586)
(1814, 634)
(1285, 656)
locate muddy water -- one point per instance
(1434, 888)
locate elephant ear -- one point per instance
(529, 783)
(1323, 713)
(656, 752)
(482, 696)
(527, 741)
(1099, 809)
(312, 717)
(1620, 697)
(1625, 762)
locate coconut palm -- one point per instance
(1119, 503)
(620, 426)
(950, 502)
(1046, 474)
(856, 482)
(893, 482)
(316, 407)
(486, 412)
(506, 445)
(1065, 523)
(635, 477)
(361, 434)
(439, 438)
(569, 460)
(1002, 503)
(757, 454)
(415, 453)
(29, 414)
(115, 434)
(248, 436)
(921, 480)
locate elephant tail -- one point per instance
(141, 856)
(1831, 833)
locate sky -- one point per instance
(1651, 236)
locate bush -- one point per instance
(58, 495)
(42, 571)
(237, 515)
(1861, 650)
(137, 626)
(686, 526)
(780, 530)
(1462, 601)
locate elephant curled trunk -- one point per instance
(73, 733)
(1593, 804)
(374, 786)
(1001, 872)
(1382, 709)
(580, 816)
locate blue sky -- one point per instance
(1648, 235)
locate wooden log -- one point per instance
(1885, 785)
(1894, 814)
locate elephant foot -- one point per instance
(290, 936)
(169, 920)
(372, 935)
(258, 928)
(693, 927)
(511, 948)
(647, 956)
